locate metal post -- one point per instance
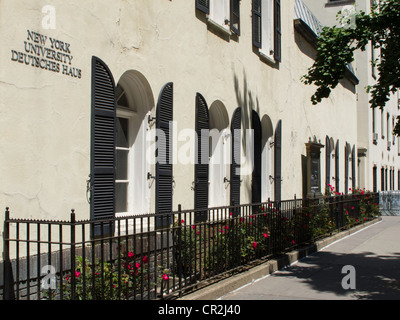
(179, 248)
(73, 284)
(7, 269)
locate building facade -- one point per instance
(378, 149)
(138, 106)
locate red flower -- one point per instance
(130, 255)
(265, 235)
(145, 259)
(255, 245)
(165, 277)
(77, 274)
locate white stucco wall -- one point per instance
(45, 116)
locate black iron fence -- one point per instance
(138, 260)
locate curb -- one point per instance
(223, 287)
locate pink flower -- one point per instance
(77, 274)
(265, 235)
(293, 241)
(130, 255)
(255, 245)
(165, 277)
(137, 265)
(193, 227)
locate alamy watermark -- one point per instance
(194, 147)
(49, 279)
(49, 20)
(349, 280)
(347, 17)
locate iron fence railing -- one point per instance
(138, 260)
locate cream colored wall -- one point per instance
(45, 116)
(377, 155)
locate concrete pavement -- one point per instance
(374, 252)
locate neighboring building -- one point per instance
(378, 149)
(85, 84)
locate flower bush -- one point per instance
(120, 279)
(268, 230)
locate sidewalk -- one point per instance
(374, 252)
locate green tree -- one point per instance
(336, 46)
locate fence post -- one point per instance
(7, 268)
(178, 258)
(73, 284)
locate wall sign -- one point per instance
(47, 53)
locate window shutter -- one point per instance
(203, 5)
(103, 124)
(277, 30)
(257, 23)
(353, 167)
(327, 162)
(236, 143)
(202, 153)
(256, 178)
(164, 169)
(235, 16)
(278, 161)
(346, 168)
(337, 166)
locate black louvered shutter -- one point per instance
(337, 179)
(327, 162)
(278, 162)
(103, 124)
(164, 173)
(353, 167)
(256, 175)
(203, 5)
(257, 23)
(236, 134)
(235, 16)
(346, 168)
(202, 151)
(277, 31)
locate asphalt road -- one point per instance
(362, 266)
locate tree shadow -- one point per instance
(377, 277)
(247, 101)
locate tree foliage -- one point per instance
(336, 46)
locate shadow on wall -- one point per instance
(248, 102)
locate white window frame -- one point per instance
(138, 192)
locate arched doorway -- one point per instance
(219, 151)
(135, 102)
(267, 158)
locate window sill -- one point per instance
(266, 57)
(219, 27)
(339, 3)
